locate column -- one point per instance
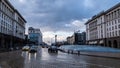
(2, 42)
(11, 43)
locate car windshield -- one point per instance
(26, 47)
(59, 33)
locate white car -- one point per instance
(26, 48)
(33, 49)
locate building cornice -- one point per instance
(95, 17)
(112, 8)
(15, 10)
(102, 13)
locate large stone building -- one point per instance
(104, 28)
(35, 36)
(12, 26)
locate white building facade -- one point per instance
(104, 28)
(12, 25)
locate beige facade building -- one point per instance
(104, 28)
(12, 25)
(71, 40)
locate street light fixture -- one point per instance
(55, 39)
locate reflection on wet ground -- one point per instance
(11, 59)
(43, 59)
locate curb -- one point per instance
(101, 56)
(81, 53)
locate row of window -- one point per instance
(113, 34)
(113, 15)
(33, 31)
(6, 9)
(100, 35)
(9, 13)
(5, 24)
(19, 31)
(5, 17)
(93, 35)
(93, 24)
(5, 30)
(113, 27)
(21, 22)
(113, 22)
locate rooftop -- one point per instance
(103, 13)
(15, 10)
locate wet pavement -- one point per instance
(12, 59)
(43, 59)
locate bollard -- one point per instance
(78, 52)
(68, 52)
(72, 51)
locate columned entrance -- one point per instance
(115, 44)
(7, 42)
(109, 44)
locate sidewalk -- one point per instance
(102, 54)
(97, 54)
(3, 50)
(96, 51)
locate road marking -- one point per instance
(60, 61)
(76, 64)
(72, 64)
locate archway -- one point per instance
(115, 45)
(109, 44)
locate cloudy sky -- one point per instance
(61, 17)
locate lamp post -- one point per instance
(55, 39)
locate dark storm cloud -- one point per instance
(53, 15)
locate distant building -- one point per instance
(104, 28)
(71, 40)
(80, 38)
(26, 39)
(12, 26)
(77, 38)
(35, 36)
(68, 40)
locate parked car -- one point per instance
(43, 46)
(16, 48)
(11, 49)
(33, 49)
(53, 49)
(25, 48)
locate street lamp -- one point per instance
(55, 39)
